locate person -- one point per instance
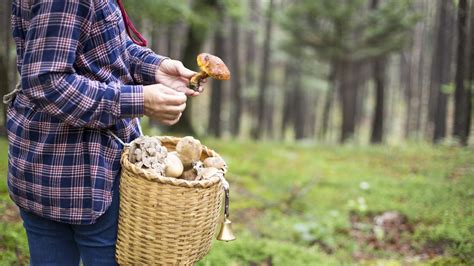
(81, 76)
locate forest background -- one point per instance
(370, 101)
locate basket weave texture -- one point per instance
(163, 220)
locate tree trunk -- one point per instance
(215, 108)
(265, 70)
(348, 94)
(441, 68)
(330, 94)
(195, 39)
(288, 100)
(5, 58)
(460, 97)
(408, 94)
(379, 72)
(170, 44)
(299, 105)
(471, 74)
(236, 111)
(311, 107)
(251, 46)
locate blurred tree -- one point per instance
(215, 108)
(379, 74)
(253, 10)
(347, 34)
(264, 73)
(471, 71)
(461, 96)
(441, 69)
(236, 84)
(201, 22)
(6, 71)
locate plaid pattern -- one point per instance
(79, 71)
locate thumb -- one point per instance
(185, 72)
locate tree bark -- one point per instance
(288, 100)
(251, 46)
(299, 105)
(348, 94)
(460, 97)
(5, 58)
(194, 41)
(265, 70)
(379, 72)
(236, 109)
(330, 94)
(471, 74)
(441, 69)
(215, 108)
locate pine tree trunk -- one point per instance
(441, 68)
(170, 43)
(408, 95)
(215, 108)
(264, 71)
(288, 100)
(460, 97)
(251, 46)
(471, 74)
(194, 41)
(5, 58)
(299, 105)
(236, 111)
(379, 73)
(348, 94)
(330, 94)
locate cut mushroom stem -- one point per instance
(195, 81)
(210, 66)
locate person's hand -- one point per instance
(173, 74)
(163, 103)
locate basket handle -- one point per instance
(120, 140)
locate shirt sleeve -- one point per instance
(48, 77)
(143, 63)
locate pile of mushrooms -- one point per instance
(184, 163)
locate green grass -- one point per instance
(291, 204)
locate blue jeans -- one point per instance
(53, 243)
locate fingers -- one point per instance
(183, 71)
(170, 122)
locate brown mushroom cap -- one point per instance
(213, 66)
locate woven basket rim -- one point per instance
(171, 180)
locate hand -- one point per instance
(163, 103)
(173, 74)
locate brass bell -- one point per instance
(226, 234)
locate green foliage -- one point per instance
(163, 11)
(348, 29)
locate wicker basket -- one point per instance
(166, 221)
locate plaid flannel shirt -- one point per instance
(79, 74)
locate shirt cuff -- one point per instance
(149, 67)
(131, 101)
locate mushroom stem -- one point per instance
(195, 81)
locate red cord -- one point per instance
(129, 26)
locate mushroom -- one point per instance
(210, 66)
(189, 175)
(216, 162)
(174, 166)
(189, 150)
(207, 173)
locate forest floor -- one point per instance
(295, 204)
